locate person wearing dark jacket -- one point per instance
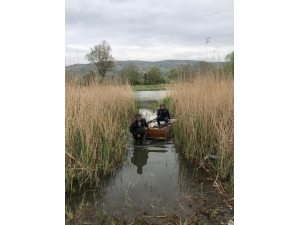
(137, 129)
(163, 114)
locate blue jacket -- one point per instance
(163, 113)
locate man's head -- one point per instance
(162, 106)
(138, 117)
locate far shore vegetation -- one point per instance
(139, 74)
(150, 87)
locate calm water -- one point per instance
(154, 178)
(145, 98)
(149, 95)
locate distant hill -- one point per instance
(144, 66)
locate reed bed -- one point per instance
(96, 130)
(204, 109)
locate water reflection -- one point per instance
(144, 96)
(139, 158)
(140, 154)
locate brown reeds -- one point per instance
(204, 109)
(96, 129)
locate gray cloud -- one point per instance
(150, 30)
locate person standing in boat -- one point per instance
(137, 129)
(163, 114)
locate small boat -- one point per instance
(159, 132)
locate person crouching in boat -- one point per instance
(137, 129)
(163, 114)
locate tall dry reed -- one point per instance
(96, 128)
(204, 110)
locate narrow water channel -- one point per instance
(154, 176)
(155, 180)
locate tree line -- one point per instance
(100, 56)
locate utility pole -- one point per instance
(207, 40)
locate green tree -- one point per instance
(101, 57)
(229, 66)
(154, 75)
(173, 74)
(145, 78)
(130, 73)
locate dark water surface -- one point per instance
(155, 180)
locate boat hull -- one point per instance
(159, 133)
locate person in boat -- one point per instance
(137, 129)
(163, 114)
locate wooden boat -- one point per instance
(162, 132)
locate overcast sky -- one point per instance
(150, 30)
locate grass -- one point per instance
(154, 87)
(204, 110)
(96, 128)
